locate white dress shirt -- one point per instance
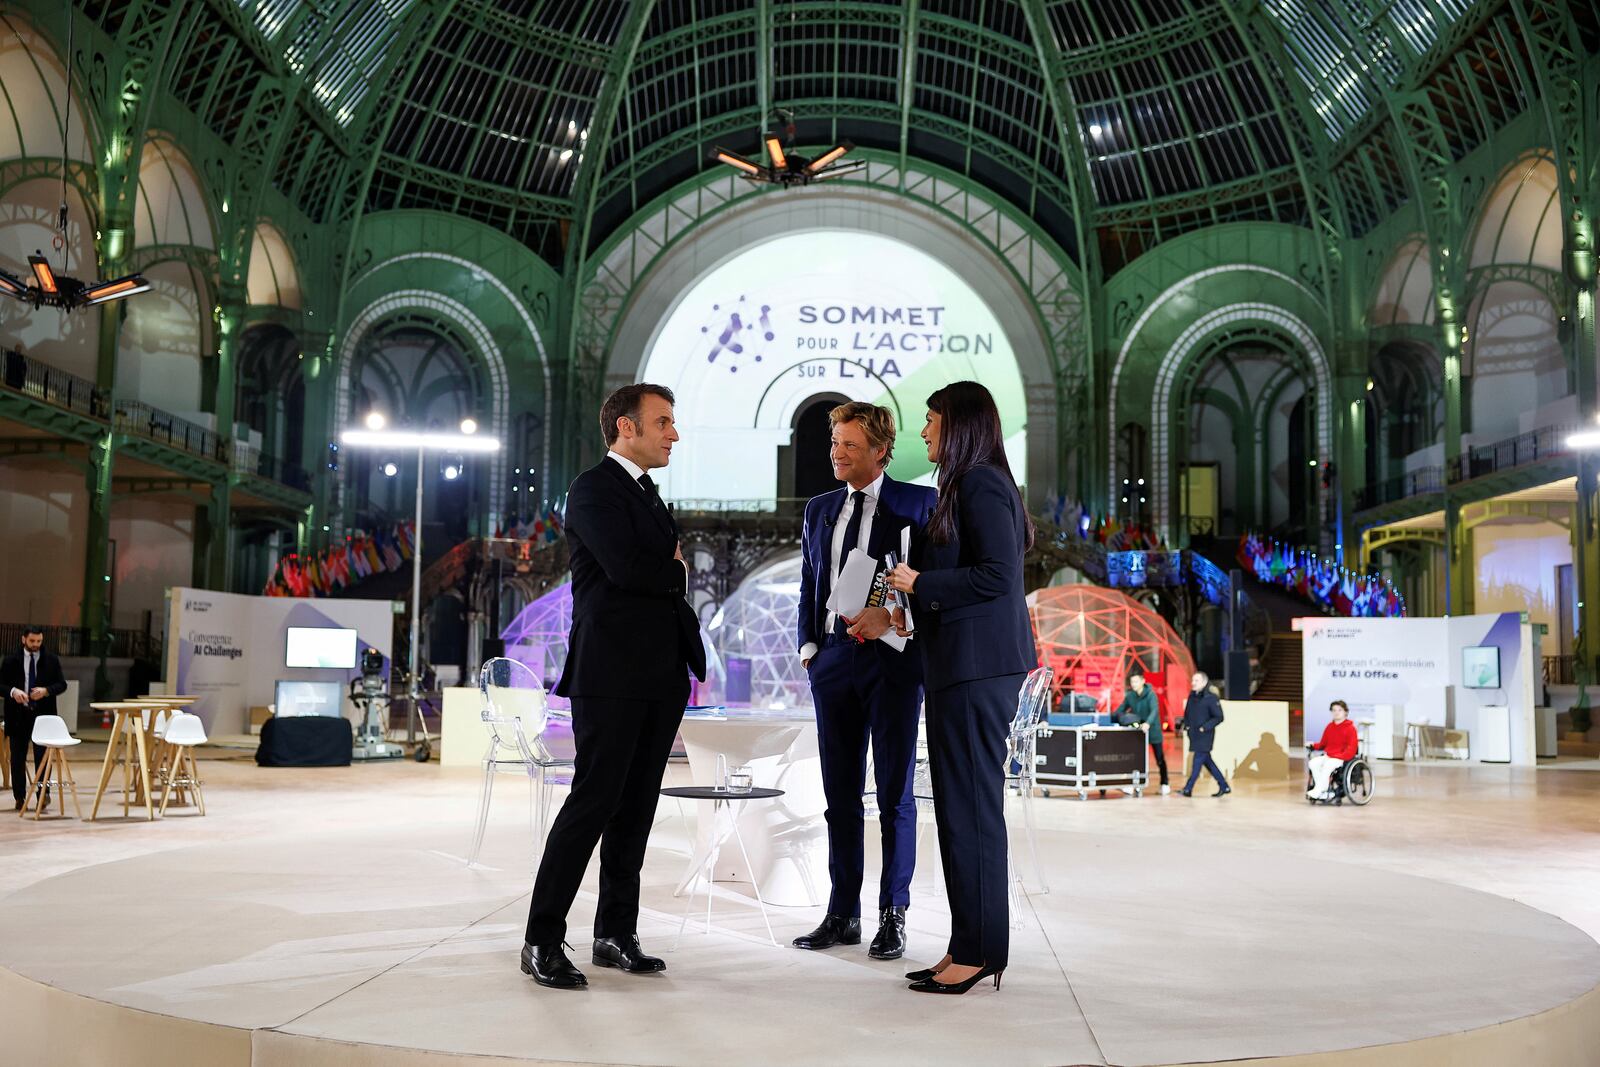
(636, 472)
(30, 664)
(633, 469)
(838, 549)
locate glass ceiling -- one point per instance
(1171, 116)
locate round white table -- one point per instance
(786, 836)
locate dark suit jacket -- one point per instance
(47, 672)
(1201, 715)
(634, 637)
(970, 616)
(899, 505)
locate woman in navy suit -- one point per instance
(972, 624)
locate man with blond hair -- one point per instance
(865, 690)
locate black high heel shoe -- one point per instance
(921, 976)
(931, 985)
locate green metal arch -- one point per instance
(1067, 349)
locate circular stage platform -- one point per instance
(353, 947)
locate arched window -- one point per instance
(33, 89)
(171, 207)
(1405, 289)
(273, 278)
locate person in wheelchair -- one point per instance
(1339, 744)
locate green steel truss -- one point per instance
(1100, 133)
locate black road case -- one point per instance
(1093, 757)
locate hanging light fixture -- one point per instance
(50, 289)
(785, 166)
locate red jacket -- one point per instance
(1339, 740)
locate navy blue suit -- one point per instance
(977, 647)
(1202, 714)
(861, 692)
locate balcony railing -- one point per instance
(248, 460)
(30, 377)
(140, 419)
(1513, 452)
(39, 380)
(1532, 447)
(74, 641)
(1412, 483)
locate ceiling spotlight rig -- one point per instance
(50, 289)
(786, 167)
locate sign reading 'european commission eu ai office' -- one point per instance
(1365, 662)
(837, 315)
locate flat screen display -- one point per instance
(309, 698)
(1480, 667)
(320, 646)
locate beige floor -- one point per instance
(320, 910)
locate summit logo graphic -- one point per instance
(737, 333)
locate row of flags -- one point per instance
(1320, 580)
(1072, 517)
(540, 529)
(338, 566)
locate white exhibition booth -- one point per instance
(231, 650)
(1457, 687)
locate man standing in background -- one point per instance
(31, 679)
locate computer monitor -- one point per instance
(327, 647)
(1480, 667)
(309, 698)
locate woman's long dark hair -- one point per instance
(969, 436)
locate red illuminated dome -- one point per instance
(1094, 637)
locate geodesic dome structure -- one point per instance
(1094, 637)
(537, 637)
(755, 630)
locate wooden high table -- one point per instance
(131, 733)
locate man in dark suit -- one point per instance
(634, 641)
(1201, 717)
(863, 689)
(31, 679)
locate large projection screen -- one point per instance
(823, 313)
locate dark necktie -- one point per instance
(649, 487)
(29, 688)
(852, 539)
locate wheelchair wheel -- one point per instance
(1359, 783)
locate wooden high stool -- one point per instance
(50, 733)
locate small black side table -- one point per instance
(705, 867)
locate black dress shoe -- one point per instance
(550, 967)
(1224, 791)
(625, 954)
(835, 930)
(890, 944)
(1187, 792)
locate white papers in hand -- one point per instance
(850, 591)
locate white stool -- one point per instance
(184, 731)
(50, 733)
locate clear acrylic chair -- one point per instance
(515, 715)
(1033, 699)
